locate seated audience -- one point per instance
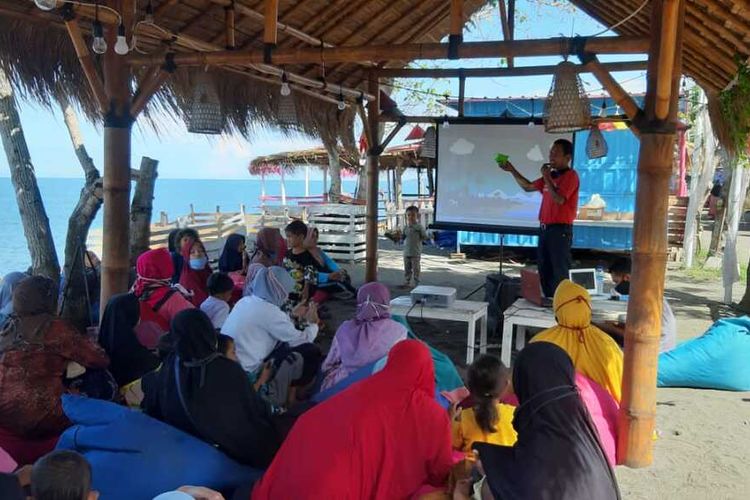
(173, 237)
(159, 301)
(331, 278)
(301, 264)
(227, 348)
(191, 493)
(270, 247)
(489, 420)
(252, 271)
(233, 257)
(9, 282)
(10, 487)
(592, 351)
(37, 350)
(261, 330)
(195, 270)
(62, 475)
(180, 239)
(383, 437)
(216, 306)
(620, 271)
(205, 394)
(364, 339)
(558, 454)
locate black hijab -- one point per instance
(231, 259)
(557, 455)
(129, 360)
(201, 392)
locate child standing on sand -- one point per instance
(414, 234)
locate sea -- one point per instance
(172, 196)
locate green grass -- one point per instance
(698, 273)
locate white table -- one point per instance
(524, 314)
(461, 310)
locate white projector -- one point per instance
(434, 296)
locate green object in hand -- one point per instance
(501, 159)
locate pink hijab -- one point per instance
(371, 334)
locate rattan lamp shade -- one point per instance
(567, 107)
(287, 112)
(205, 111)
(429, 144)
(596, 146)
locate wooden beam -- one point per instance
(505, 26)
(405, 52)
(373, 188)
(512, 18)
(148, 87)
(229, 23)
(457, 18)
(270, 33)
(87, 64)
(621, 97)
(667, 44)
(163, 8)
(498, 72)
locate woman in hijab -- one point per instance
(159, 301)
(37, 348)
(195, 270)
(594, 353)
(205, 394)
(259, 327)
(364, 339)
(383, 437)
(9, 282)
(558, 455)
(252, 272)
(233, 257)
(270, 247)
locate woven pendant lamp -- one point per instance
(429, 144)
(596, 146)
(205, 111)
(287, 111)
(567, 108)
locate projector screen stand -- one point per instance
(502, 252)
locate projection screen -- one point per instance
(473, 193)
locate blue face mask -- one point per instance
(198, 264)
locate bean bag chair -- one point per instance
(718, 359)
(25, 451)
(134, 456)
(446, 375)
(7, 464)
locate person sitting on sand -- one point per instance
(252, 272)
(593, 352)
(270, 247)
(216, 306)
(364, 339)
(383, 437)
(331, 278)
(233, 257)
(203, 393)
(558, 454)
(195, 270)
(37, 349)
(175, 249)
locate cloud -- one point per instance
(462, 147)
(535, 154)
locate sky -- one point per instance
(183, 155)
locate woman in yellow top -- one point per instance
(489, 421)
(593, 352)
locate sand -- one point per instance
(703, 448)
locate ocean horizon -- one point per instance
(172, 196)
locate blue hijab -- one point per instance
(6, 294)
(273, 284)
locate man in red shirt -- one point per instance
(559, 187)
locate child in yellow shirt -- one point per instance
(489, 421)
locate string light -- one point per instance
(121, 46)
(341, 105)
(46, 4)
(286, 91)
(446, 124)
(603, 111)
(99, 45)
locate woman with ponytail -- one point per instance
(488, 420)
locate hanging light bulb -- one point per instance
(341, 105)
(99, 45)
(46, 4)
(603, 111)
(121, 46)
(285, 90)
(446, 124)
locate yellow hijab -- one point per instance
(594, 353)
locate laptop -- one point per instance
(531, 288)
(587, 279)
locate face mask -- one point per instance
(623, 288)
(198, 264)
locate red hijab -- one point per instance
(194, 281)
(383, 437)
(154, 270)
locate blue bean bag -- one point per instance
(134, 456)
(718, 359)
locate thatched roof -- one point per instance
(406, 154)
(37, 53)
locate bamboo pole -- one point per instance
(229, 22)
(621, 97)
(373, 156)
(498, 72)
(87, 64)
(270, 34)
(638, 406)
(505, 26)
(457, 19)
(147, 89)
(667, 46)
(404, 52)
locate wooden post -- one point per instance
(229, 18)
(262, 189)
(117, 137)
(373, 157)
(270, 32)
(457, 20)
(638, 405)
(142, 208)
(283, 186)
(87, 64)
(462, 92)
(621, 97)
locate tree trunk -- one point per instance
(33, 215)
(361, 193)
(142, 209)
(430, 181)
(745, 302)
(719, 221)
(77, 300)
(398, 186)
(334, 168)
(735, 203)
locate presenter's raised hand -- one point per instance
(506, 166)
